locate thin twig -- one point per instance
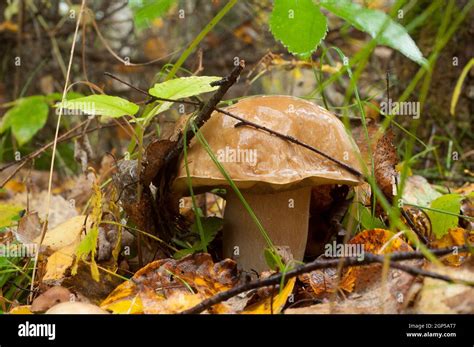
(244, 122)
(56, 135)
(205, 113)
(369, 258)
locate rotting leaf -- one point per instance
(418, 191)
(376, 241)
(455, 237)
(171, 286)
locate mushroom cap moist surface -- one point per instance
(261, 162)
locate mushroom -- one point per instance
(51, 297)
(274, 175)
(75, 308)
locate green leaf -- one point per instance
(58, 96)
(371, 22)
(26, 118)
(211, 226)
(88, 247)
(103, 105)
(184, 87)
(8, 214)
(442, 222)
(145, 11)
(369, 221)
(299, 25)
(180, 88)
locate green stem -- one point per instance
(200, 37)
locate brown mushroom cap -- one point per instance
(279, 164)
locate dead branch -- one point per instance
(317, 264)
(205, 113)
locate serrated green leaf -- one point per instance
(145, 11)
(442, 222)
(371, 22)
(103, 105)
(299, 25)
(26, 118)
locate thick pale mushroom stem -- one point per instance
(284, 215)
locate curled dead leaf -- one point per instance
(171, 286)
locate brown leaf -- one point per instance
(379, 147)
(364, 279)
(171, 286)
(439, 297)
(454, 237)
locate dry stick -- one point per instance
(205, 113)
(50, 182)
(369, 258)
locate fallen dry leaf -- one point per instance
(454, 237)
(58, 263)
(272, 305)
(60, 211)
(29, 228)
(171, 286)
(440, 297)
(23, 309)
(364, 283)
(66, 233)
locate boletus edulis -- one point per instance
(274, 175)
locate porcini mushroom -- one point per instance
(274, 175)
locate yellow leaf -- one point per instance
(170, 286)
(278, 301)
(24, 309)
(8, 213)
(65, 234)
(454, 237)
(58, 263)
(15, 186)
